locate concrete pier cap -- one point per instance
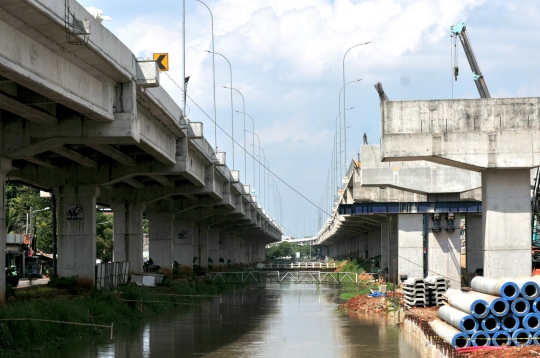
(494, 136)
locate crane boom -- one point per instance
(460, 31)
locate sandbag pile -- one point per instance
(494, 313)
(420, 292)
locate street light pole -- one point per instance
(339, 109)
(232, 110)
(338, 155)
(214, 74)
(252, 140)
(244, 112)
(344, 105)
(259, 141)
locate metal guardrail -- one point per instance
(368, 208)
(110, 275)
(297, 265)
(283, 278)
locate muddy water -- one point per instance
(293, 320)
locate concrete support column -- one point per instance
(506, 219)
(394, 249)
(223, 249)
(5, 167)
(128, 235)
(230, 250)
(474, 242)
(213, 247)
(160, 242)
(201, 246)
(377, 242)
(183, 237)
(444, 252)
(410, 245)
(77, 232)
(385, 247)
(371, 244)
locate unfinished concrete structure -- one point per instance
(81, 116)
(492, 136)
(396, 203)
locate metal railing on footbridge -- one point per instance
(297, 265)
(334, 278)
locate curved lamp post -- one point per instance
(214, 74)
(232, 111)
(344, 105)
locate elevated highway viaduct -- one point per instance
(80, 116)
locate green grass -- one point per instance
(99, 307)
(363, 288)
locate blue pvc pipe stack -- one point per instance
(497, 312)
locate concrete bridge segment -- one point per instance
(494, 136)
(81, 120)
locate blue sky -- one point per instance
(286, 57)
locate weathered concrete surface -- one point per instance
(5, 167)
(444, 252)
(506, 221)
(465, 133)
(77, 232)
(474, 246)
(411, 246)
(76, 116)
(128, 235)
(160, 237)
(183, 250)
(417, 176)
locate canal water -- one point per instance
(295, 320)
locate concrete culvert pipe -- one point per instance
(501, 338)
(535, 305)
(497, 305)
(480, 339)
(470, 304)
(510, 323)
(465, 322)
(522, 337)
(520, 307)
(528, 288)
(491, 324)
(506, 289)
(536, 338)
(450, 334)
(531, 322)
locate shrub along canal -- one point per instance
(290, 320)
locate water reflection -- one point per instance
(293, 320)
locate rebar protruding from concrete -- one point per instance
(465, 322)
(450, 334)
(529, 288)
(475, 306)
(491, 324)
(506, 289)
(531, 322)
(520, 307)
(497, 305)
(510, 323)
(501, 338)
(480, 339)
(522, 337)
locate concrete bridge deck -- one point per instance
(80, 116)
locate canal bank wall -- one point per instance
(431, 345)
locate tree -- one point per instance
(19, 199)
(104, 236)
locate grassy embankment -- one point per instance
(363, 287)
(97, 307)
